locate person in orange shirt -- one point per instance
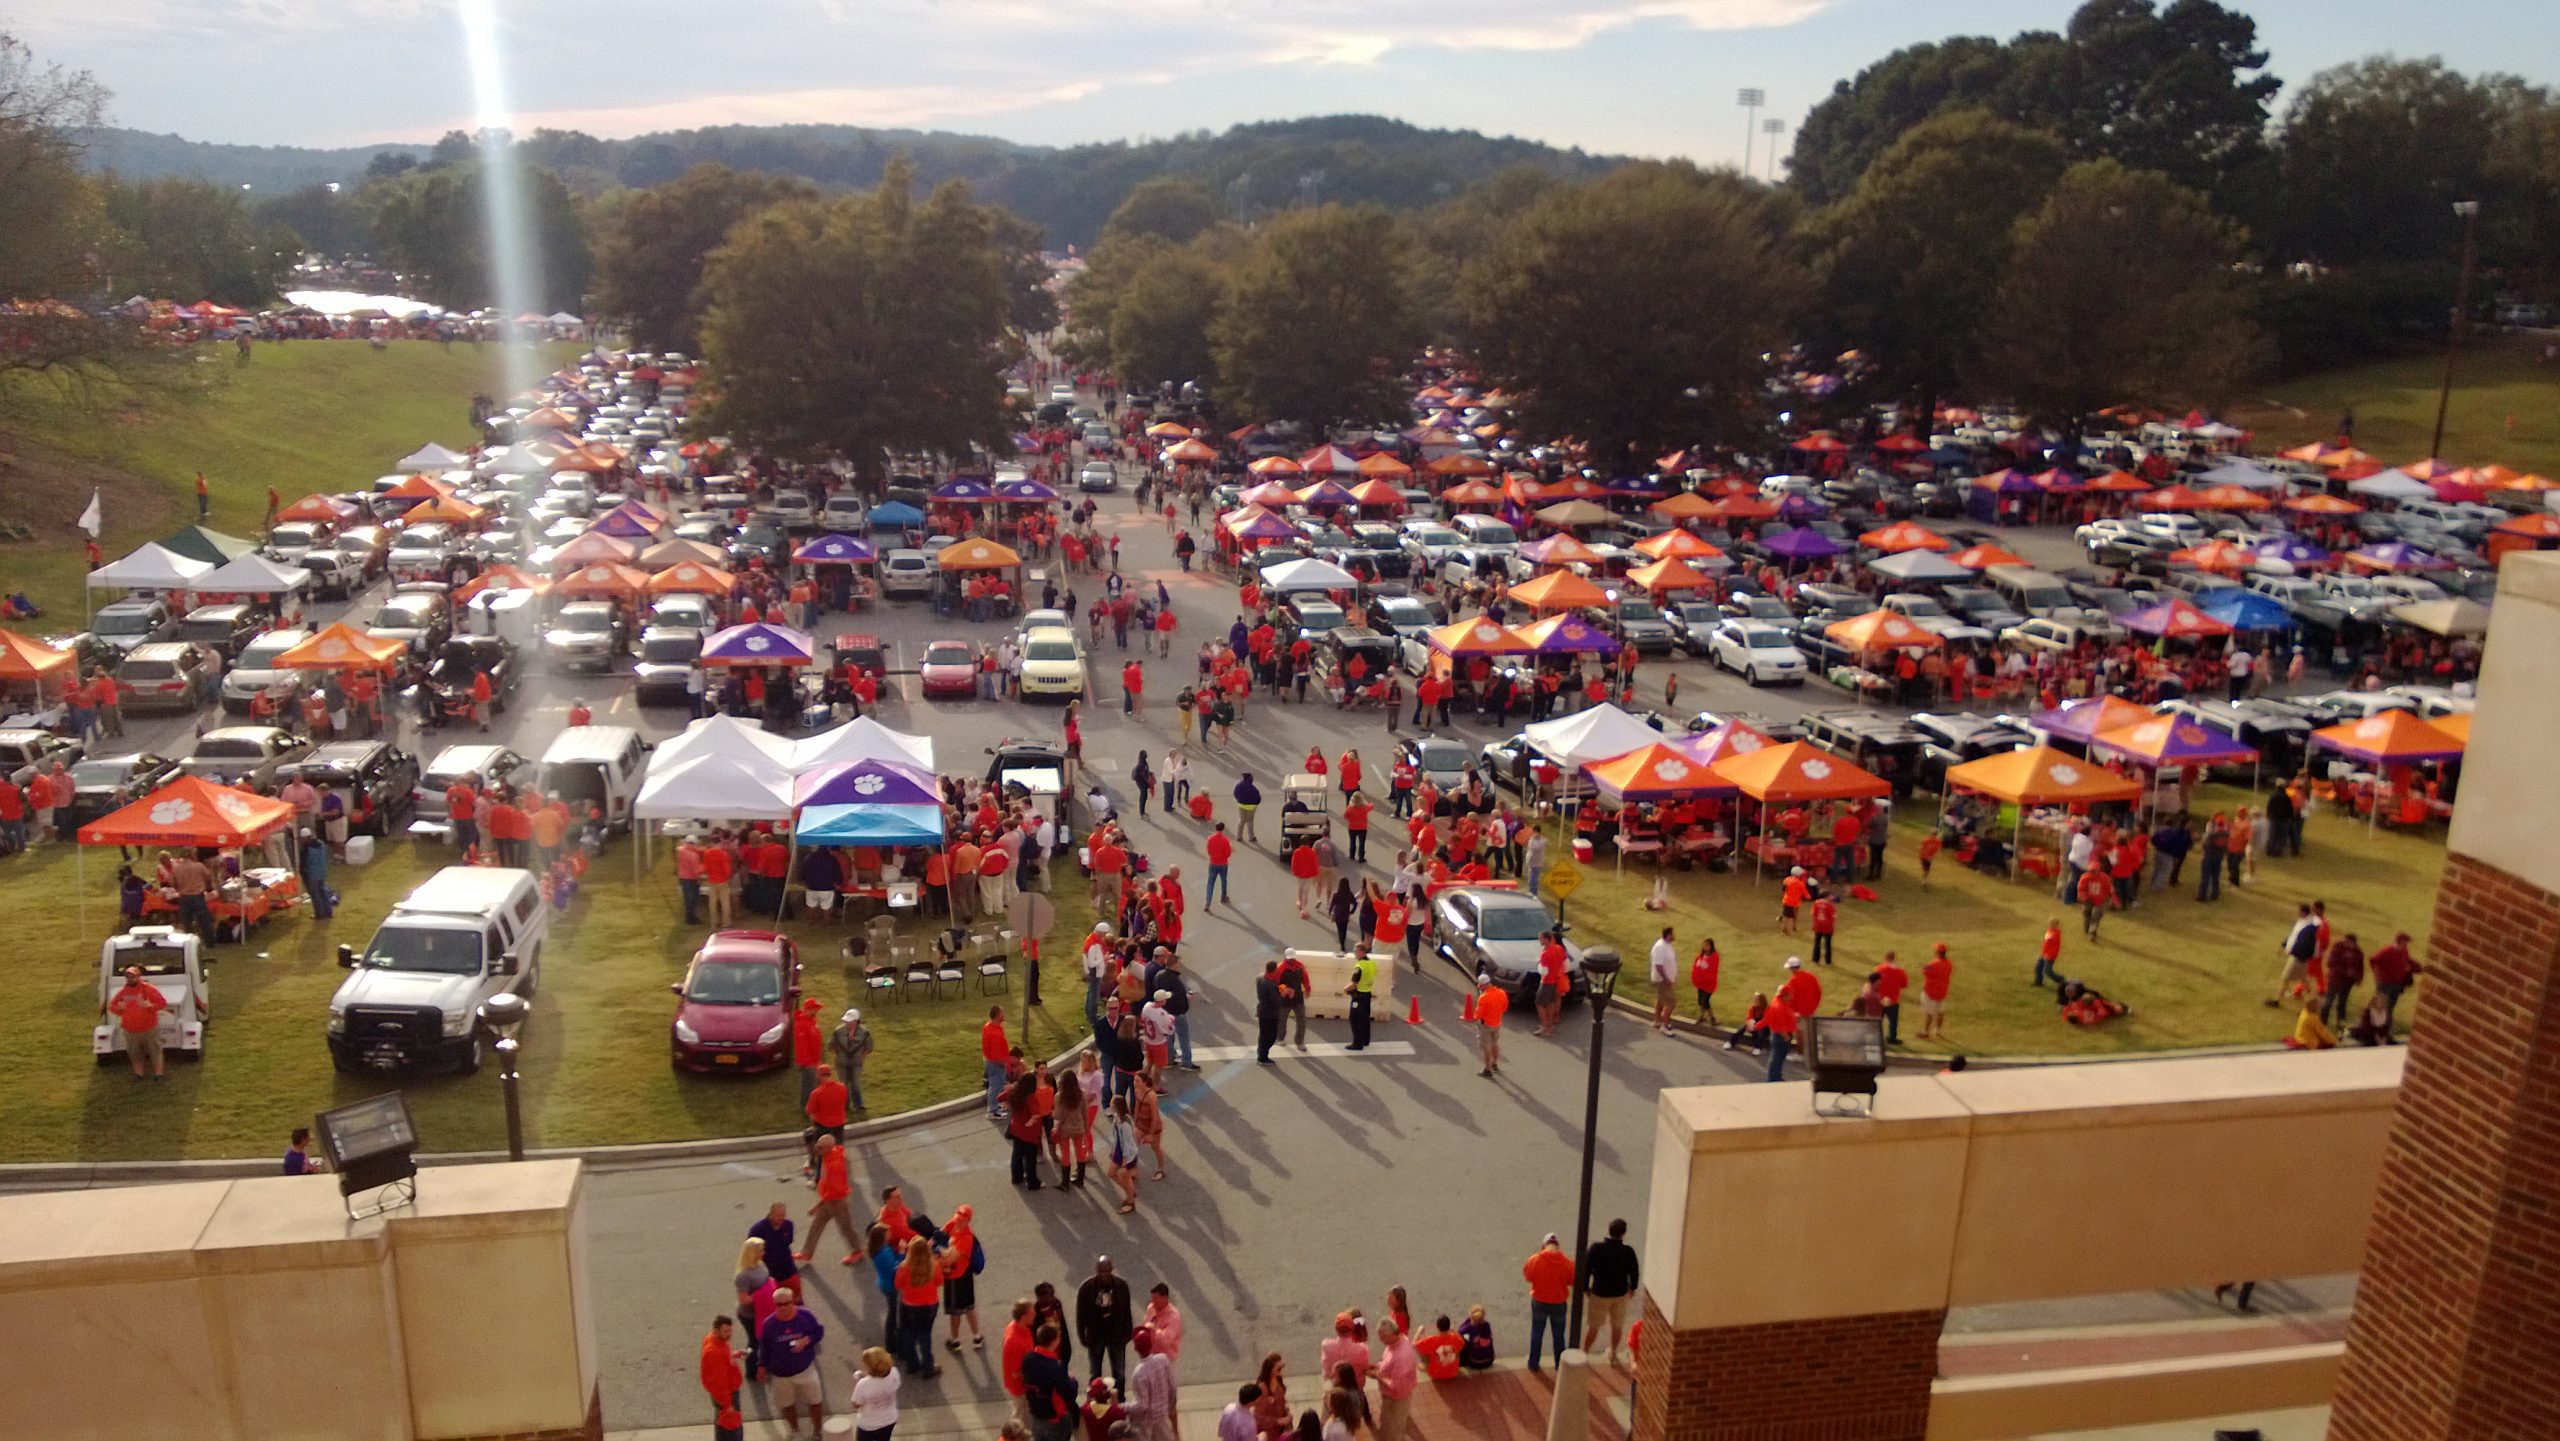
(1826, 920)
(1800, 988)
(1935, 979)
(1492, 1004)
(1549, 1272)
(718, 868)
(547, 828)
(2097, 893)
(1791, 899)
(721, 1379)
(1778, 1023)
(997, 1054)
(2049, 953)
(1439, 1351)
(835, 1189)
(1891, 981)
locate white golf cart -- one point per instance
(171, 961)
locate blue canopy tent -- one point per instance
(2245, 609)
(869, 825)
(891, 515)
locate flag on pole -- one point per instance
(92, 518)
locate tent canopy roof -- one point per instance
(2041, 775)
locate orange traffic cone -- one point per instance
(1413, 1012)
(1467, 1012)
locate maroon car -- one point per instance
(735, 1003)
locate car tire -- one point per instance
(342, 1065)
(471, 1060)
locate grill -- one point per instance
(394, 1025)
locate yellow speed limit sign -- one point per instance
(1561, 879)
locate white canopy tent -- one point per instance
(2391, 485)
(1309, 574)
(152, 566)
(1919, 567)
(431, 457)
(2245, 474)
(715, 787)
(864, 739)
(253, 574)
(1601, 733)
(725, 736)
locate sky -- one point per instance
(1637, 77)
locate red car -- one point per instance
(734, 1011)
(949, 667)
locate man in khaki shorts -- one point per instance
(1609, 1275)
(787, 1344)
(137, 1007)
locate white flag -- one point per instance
(92, 518)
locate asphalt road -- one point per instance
(1295, 1191)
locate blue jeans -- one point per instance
(1544, 1315)
(1092, 1001)
(1217, 887)
(995, 1086)
(1182, 1037)
(692, 893)
(2209, 879)
(1778, 1048)
(1893, 1024)
(1532, 879)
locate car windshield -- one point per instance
(100, 775)
(149, 669)
(591, 622)
(735, 983)
(1434, 537)
(2344, 585)
(127, 622)
(948, 653)
(1496, 535)
(260, 654)
(439, 950)
(1511, 922)
(1441, 756)
(330, 773)
(670, 649)
(1049, 650)
(231, 748)
(1920, 606)
(1637, 610)
(398, 616)
(1755, 638)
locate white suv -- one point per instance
(1052, 663)
(413, 993)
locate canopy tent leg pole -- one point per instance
(80, 884)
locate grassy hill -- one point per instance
(303, 416)
(2506, 409)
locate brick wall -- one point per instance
(1845, 1378)
(2456, 1334)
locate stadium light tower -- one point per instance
(1773, 128)
(1752, 98)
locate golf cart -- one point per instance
(1303, 813)
(171, 961)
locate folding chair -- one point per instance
(913, 969)
(949, 973)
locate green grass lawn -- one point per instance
(301, 417)
(2506, 409)
(595, 1050)
(2195, 975)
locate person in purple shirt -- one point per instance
(298, 1160)
(787, 1344)
(775, 1231)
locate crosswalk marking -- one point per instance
(1315, 1051)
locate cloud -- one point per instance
(881, 107)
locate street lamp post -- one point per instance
(502, 1015)
(1600, 966)
(2469, 210)
(1751, 99)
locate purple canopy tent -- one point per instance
(866, 782)
(1798, 508)
(759, 644)
(2006, 482)
(1569, 634)
(2292, 550)
(963, 490)
(1025, 492)
(836, 550)
(1800, 544)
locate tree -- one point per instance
(430, 225)
(2375, 153)
(2122, 287)
(1635, 312)
(1908, 262)
(1030, 305)
(1167, 207)
(649, 258)
(858, 326)
(1160, 328)
(188, 239)
(1321, 320)
(1863, 116)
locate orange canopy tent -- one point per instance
(419, 487)
(1686, 505)
(500, 577)
(1745, 507)
(2323, 505)
(318, 507)
(190, 811)
(2488, 477)
(673, 551)
(1559, 549)
(445, 510)
(1478, 635)
(1984, 556)
(2171, 497)
(1880, 630)
(1190, 452)
(1328, 460)
(1669, 574)
(581, 460)
(2230, 497)
(1169, 430)
(1385, 466)
(2043, 776)
(1656, 772)
(2120, 481)
(1274, 465)
(1677, 544)
(1376, 492)
(2456, 725)
(1566, 513)
(2217, 555)
(606, 580)
(24, 659)
(1558, 590)
(593, 548)
(1459, 464)
(2544, 526)
(977, 554)
(1798, 771)
(1472, 492)
(1903, 535)
(2528, 483)
(2391, 737)
(343, 647)
(691, 578)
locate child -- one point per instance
(1440, 1351)
(1475, 1341)
(1930, 845)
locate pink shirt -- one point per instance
(1166, 1322)
(1340, 1349)
(1399, 1367)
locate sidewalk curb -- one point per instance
(82, 1175)
(1906, 1061)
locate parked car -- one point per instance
(733, 1007)
(1951, 738)
(1097, 478)
(421, 617)
(1053, 663)
(422, 552)
(412, 994)
(289, 542)
(584, 635)
(663, 665)
(464, 656)
(430, 812)
(386, 775)
(1760, 654)
(1437, 759)
(1635, 621)
(124, 624)
(22, 751)
(168, 675)
(1690, 622)
(949, 668)
(1883, 744)
(256, 673)
(1500, 933)
(905, 574)
(244, 755)
(792, 510)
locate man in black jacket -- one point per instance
(1104, 1323)
(1048, 1388)
(1266, 1011)
(1608, 1279)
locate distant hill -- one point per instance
(1069, 191)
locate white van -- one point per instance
(598, 766)
(2031, 592)
(412, 995)
(1487, 533)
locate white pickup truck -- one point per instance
(412, 995)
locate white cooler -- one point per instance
(359, 850)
